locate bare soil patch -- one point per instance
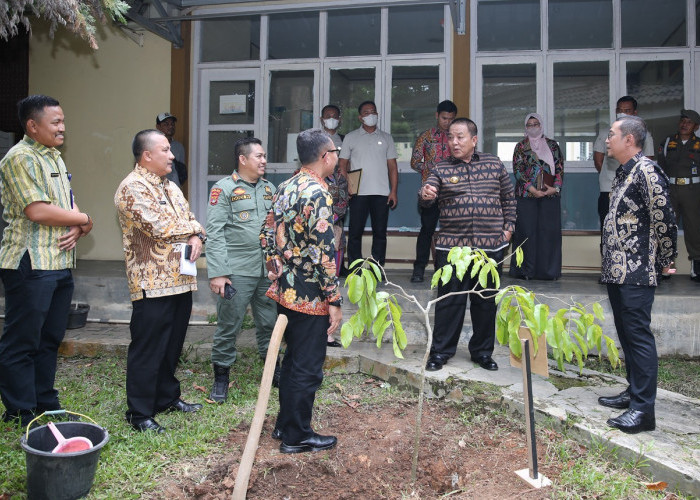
(464, 454)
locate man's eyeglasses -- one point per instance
(336, 151)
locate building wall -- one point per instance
(107, 96)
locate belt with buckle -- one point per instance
(683, 181)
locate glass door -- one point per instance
(228, 110)
(290, 107)
(658, 84)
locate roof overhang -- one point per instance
(163, 17)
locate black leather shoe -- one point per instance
(334, 343)
(417, 277)
(435, 363)
(148, 425)
(621, 401)
(277, 434)
(314, 443)
(633, 421)
(180, 405)
(486, 362)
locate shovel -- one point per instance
(70, 445)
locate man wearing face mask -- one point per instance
(606, 165)
(373, 151)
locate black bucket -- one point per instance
(77, 316)
(61, 476)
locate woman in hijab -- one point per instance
(538, 166)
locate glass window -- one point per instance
(231, 102)
(291, 111)
(416, 30)
(353, 32)
(220, 160)
(293, 35)
(348, 88)
(230, 39)
(658, 88)
(580, 24)
(651, 23)
(697, 22)
(414, 95)
(581, 107)
(510, 93)
(508, 24)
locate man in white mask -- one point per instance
(330, 121)
(606, 165)
(373, 151)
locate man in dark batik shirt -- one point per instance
(639, 242)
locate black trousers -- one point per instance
(37, 304)
(376, 208)
(538, 230)
(449, 314)
(428, 222)
(158, 328)
(631, 306)
(302, 373)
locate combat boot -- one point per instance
(219, 390)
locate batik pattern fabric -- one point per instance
(639, 233)
(476, 202)
(526, 167)
(31, 172)
(430, 148)
(154, 215)
(299, 231)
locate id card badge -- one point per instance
(694, 170)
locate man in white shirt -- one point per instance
(373, 151)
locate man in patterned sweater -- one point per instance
(477, 209)
(639, 241)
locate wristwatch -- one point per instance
(336, 303)
(557, 189)
(202, 237)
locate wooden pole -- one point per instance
(529, 409)
(251, 446)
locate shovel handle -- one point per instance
(243, 476)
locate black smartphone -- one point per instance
(229, 291)
(188, 251)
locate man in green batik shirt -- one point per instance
(237, 208)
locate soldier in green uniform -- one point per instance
(236, 211)
(679, 156)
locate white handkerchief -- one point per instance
(187, 267)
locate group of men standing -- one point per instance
(289, 267)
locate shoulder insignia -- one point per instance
(214, 197)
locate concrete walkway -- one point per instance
(672, 451)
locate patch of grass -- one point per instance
(131, 463)
(675, 374)
(563, 383)
(593, 472)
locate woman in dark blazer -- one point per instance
(538, 226)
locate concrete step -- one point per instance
(675, 316)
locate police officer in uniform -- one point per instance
(679, 156)
(237, 208)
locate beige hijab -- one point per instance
(538, 144)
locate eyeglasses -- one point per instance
(532, 125)
(336, 151)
